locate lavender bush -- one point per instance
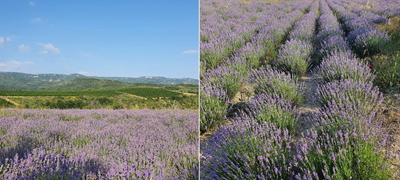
(350, 95)
(247, 149)
(230, 76)
(346, 145)
(270, 108)
(213, 53)
(368, 41)
(213, 105)
(253, 53)
(294, 57)
(331, 44)
(268, 80)
(343, 65)
(99, 144)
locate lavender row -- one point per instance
(343, 65)
(223, 31)
(348, 140)
(304, 28)
(330, 36)
(219, 48)
(259, 143)
(231, 75)
(257, 127)
(100, 144)
(256, 130)
(364, 38)
(294, 56)
(263, 45)
(386, 8)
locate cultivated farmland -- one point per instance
(98, 144)
(299, 89)
(125, 98)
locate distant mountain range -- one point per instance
(23, 81)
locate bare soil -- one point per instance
(308, 106)
(132, 95)
(391, 123)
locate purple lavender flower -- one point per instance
(350, 95)
(269, 81)
(271, 108)
(246, 149)
(343, 65)
(102, 144)
(368, 41)
(294, 57)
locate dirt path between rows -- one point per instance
(391, 124)
(309, 105)
(9, 100)
(190, 94)
(140, 97)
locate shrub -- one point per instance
(329, 45)
(213, 53)
(327, 21)
(254, 54)
(350, 95)
(294, 57)
(387, 64)
(368, 41)
(346, 145)
(213, 105)
(246, 149)
(230, 76)
(304, 28)
(270, 108)
(342, 65)
(354, 23)
(268, 80)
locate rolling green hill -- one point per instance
(91, 84)
(82, 92)
(22, 81)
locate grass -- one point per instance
(387, 64)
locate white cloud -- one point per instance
(31, 3)
(2, 40)
(43, 52)
(23, 48)
(49, 47)
(84, 73)
(36, 20)
(15, 65)
(190, 51)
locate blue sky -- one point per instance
(116, 38)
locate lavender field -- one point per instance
(98, 144)
(298, 89)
